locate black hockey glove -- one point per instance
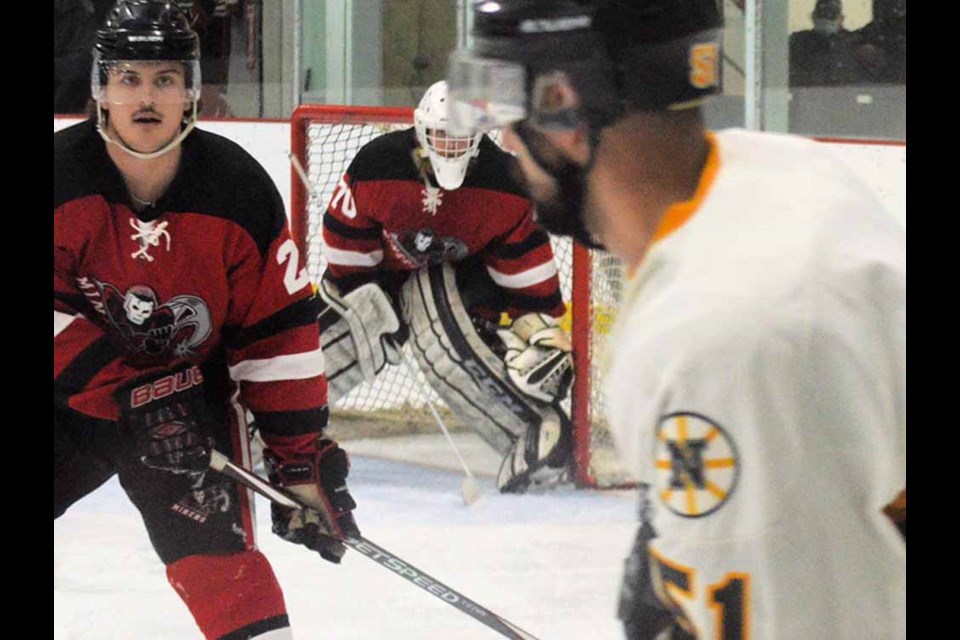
(320, 481)
(167, 416)
(644, 615)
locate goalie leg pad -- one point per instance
(458, 364)
(541, 458)
(353, 332)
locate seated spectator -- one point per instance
(212, 20)
(827, 54)
(74, 27)
(882, 51)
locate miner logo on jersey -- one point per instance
(422, 248)
(139, 303)
(147, 326)
(199, 504)
(696, 464)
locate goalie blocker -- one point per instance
(355, 331)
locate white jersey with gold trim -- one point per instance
(757, 386)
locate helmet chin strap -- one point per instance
(102, 130)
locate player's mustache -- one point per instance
(147, 112)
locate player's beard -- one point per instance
(562, 213)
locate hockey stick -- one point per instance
(469, 488)
(363, 546)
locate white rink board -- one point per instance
(883, 166)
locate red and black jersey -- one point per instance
(208, 275)
(385, 216)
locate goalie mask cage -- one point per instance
(324, 139)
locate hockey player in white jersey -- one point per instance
(757, 374)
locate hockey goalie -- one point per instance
(430, 241)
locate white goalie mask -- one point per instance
(449, 155)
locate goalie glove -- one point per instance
(318, 480)
(538, 357)
(167, 416)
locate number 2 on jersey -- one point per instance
(292, 280)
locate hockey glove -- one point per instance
(319, 480)
(167, 416)
(538, 357)
(644, 611)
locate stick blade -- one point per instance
(470, 490)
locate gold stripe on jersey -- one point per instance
(678, 214)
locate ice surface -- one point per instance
(549, 564)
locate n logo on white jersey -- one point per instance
(697, 464)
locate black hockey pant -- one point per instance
(184, 515)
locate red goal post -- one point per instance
(324, 139)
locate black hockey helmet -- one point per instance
(147, 30)
(142, 30)
(138, 31)
(616, 55)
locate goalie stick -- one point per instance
(366, 548)
(469, 488)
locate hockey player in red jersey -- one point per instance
(181, 302)
(429, 236)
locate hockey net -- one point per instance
(324, 140)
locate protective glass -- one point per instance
(140, 81)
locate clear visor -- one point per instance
(145, 81)
(484, 93)
(488, 93)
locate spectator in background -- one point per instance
(74, 26)
(882, 49)
(211, 19)
(827, 54)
